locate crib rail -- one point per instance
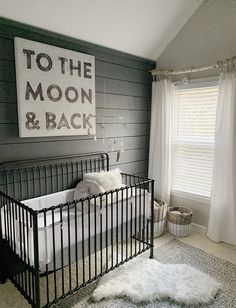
(27, 179)
(53, 252)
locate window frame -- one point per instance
(194, 83)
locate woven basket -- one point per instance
(160, 214)
(180, 221)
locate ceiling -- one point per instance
(207, 37)
(139, 27)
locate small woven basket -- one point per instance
(179, 221)
(160, 214)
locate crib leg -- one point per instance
(3, 274)
(3, 278)
(152, 221)
(151, 253)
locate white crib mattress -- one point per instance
(65, 226)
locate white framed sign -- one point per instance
(55, 90)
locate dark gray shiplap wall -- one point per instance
(123, 88)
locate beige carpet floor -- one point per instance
(173, 252)
(10, 297)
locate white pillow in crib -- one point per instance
(87, 188)
(108, 180)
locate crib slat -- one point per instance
(24, 246)
(57, 178)
(13, 224)
(101, 264)
(135, 217)
(47, 282)
(76, 247)
(151, 189)
(51, 176)
(82, 170)
(131, 223)
(27, 183)
(127, 219)
(54, 254)
(62, 176)
(140, 215)
(45, 180)
(21, 188)
(10, 223)
(34, 189)
(14, 183)
(106, 232)
(95, 236)
(28, 259)
(36, 261)
(72, 172)
(89, 238)
(67, 174)
(62, 253)
(144, 216)
(117, 228)
(5, 216)
(111, 229)
(69, 246)
(39, 185)
(82, 230)
(122, 223)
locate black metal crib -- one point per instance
(51, 252)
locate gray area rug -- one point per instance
(172, 252)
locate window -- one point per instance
(193, 134)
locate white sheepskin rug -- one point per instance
(147, 280)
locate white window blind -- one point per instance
(193, 134)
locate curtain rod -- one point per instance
(192, 69)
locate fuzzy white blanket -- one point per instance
(145, 280)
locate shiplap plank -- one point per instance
(67, 147)
(9, 132)
(106, 85)
(133, 167)
(7, 71)
(126, 116)
(115, 71)
(103, 85)
(102, 69)
(8, 114)
(128, 156)
(10, 29)
(132, 142)
(7, 92)
(122, 102)
(113, 101)
(143, 174)
(6, 49)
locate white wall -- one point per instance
(207, 37)
(200, 209)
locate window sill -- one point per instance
(192, 197)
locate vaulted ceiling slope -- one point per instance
(139, 27)
(208, 36)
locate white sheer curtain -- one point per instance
(222, 220)
(160, 138)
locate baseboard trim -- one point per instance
(199, 228)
